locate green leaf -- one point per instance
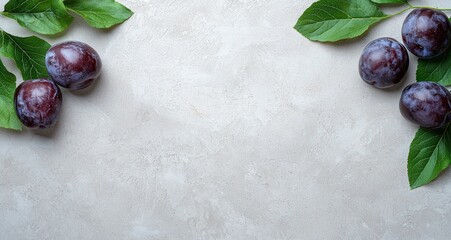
(99, 13)
(430, 154)
(41, 16)
(333, 20)
(389, 1)
(8, 117)
(436, 70)
(28, 53)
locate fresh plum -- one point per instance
(427, 104)
(383, 63)
(426, 33)
(73, 65)
(38, 103)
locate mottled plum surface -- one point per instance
(38, 103)
(426, 104)
(426, 33)
(73, 65)
(383, 63)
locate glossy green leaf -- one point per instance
(436, 70)
(8, 117)
(333, 20)
(28, 53)
(389, 1)
(99, 13)
(430, 154)
(41, 16)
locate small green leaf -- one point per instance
(333, 20)
(389, 1)
(435, 70)
(430, 154)
(28, 53)
(99, 13)
(8, 117)
(41, 16)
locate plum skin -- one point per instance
(38, 103)
(427, 104)
(73, 65)
(383, 63)
(426, 33)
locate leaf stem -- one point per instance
(410, 6)
(441, 9)
(402, 11)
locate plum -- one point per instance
(38, 103)
(73, 65)
(427, 104)
(426, 33)
(383, 63)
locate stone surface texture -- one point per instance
(215, 119)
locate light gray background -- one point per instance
(214, 119)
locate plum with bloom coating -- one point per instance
(383, 63)
(427, 104)
(38, 103)
(426, 33)
(73, 65)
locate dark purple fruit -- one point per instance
(383, 63)
(73, 65)
(38, 103)
(426, 33)
(427, 104)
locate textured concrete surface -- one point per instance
(216, 120)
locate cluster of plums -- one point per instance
(73, 65)
(384, 62)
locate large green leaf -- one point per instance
(28, 53)
(42, 16)
(8, 117)
(436, 70)
(333, 20)
(389, 1)
(430, 154)
(99, 13)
